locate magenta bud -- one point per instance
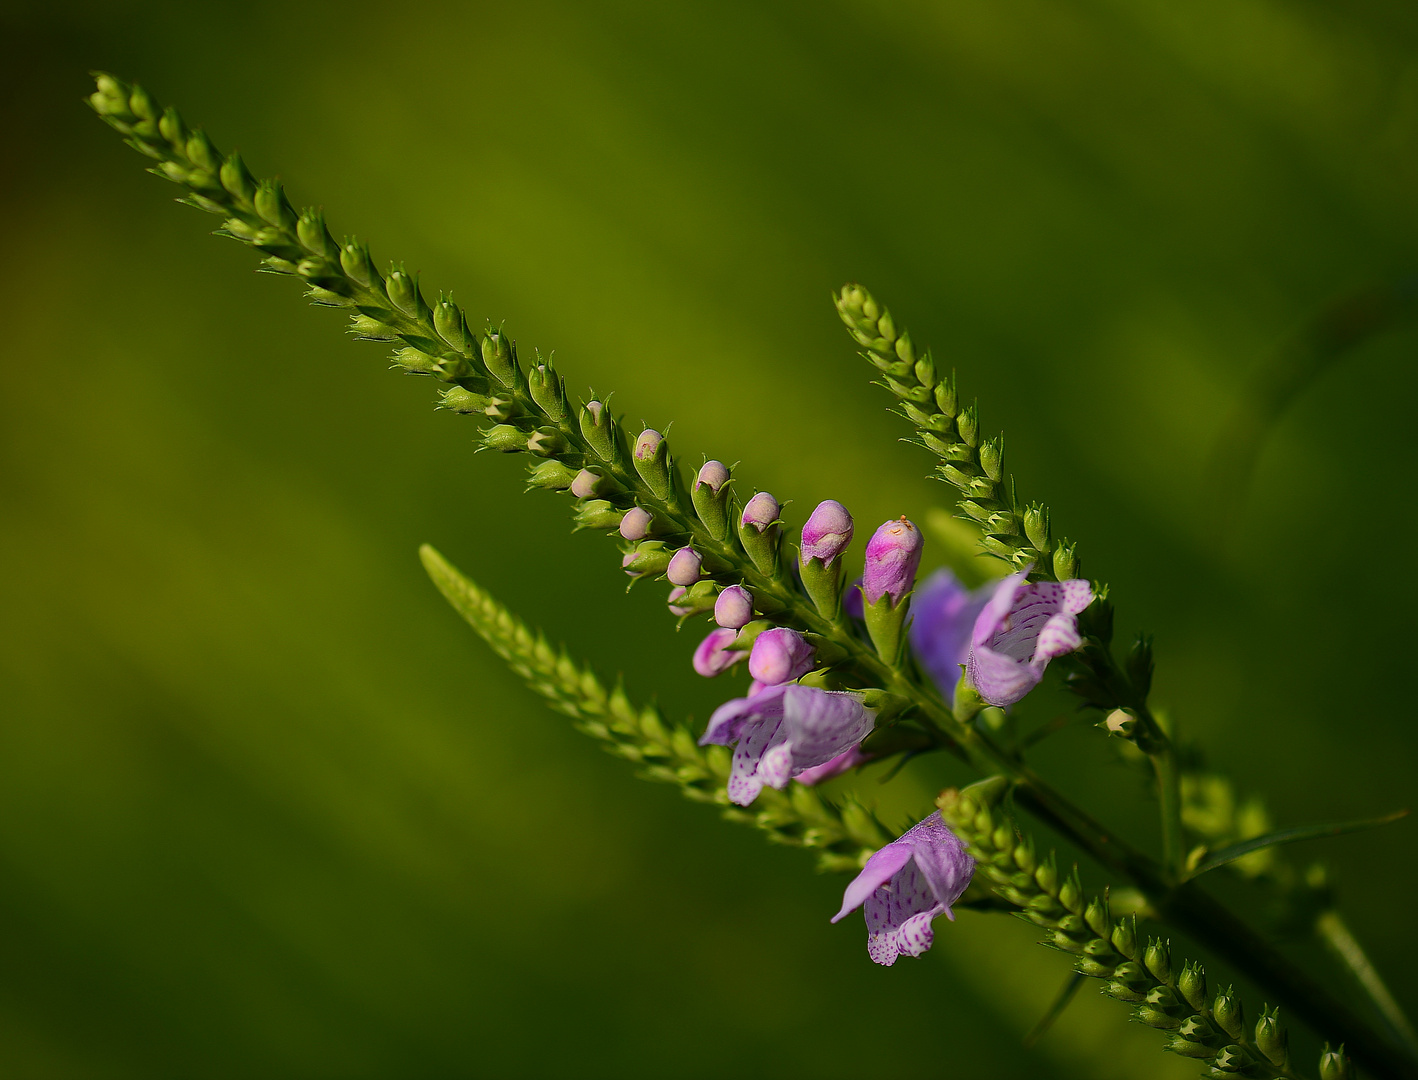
(734, 607)
(827, 533)
(780, 655)
(893, 554)
(648, 444)
(762, 511)
(636, 523)
(584, 486)
(684, 567)
(676, 594)
(713, 475)
(713, 655)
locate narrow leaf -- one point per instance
(1290, 836)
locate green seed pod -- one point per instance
(1066, 562)
(1158, 959)
(505, 438)
(354, 257)
(926, 373)
(548, 390)
(1272, 1039)
(1125, 936)
(907, 352)
(237, 178)
(1162, 998)
(1117, 988)
(1334, 1065)
(1132, 976)
(1071, 892)
(1192, 983)
(968, 424)
(886, 326)
(1229, 1013)
(500, 357)
(1036, 526)
(550, 476)
(596, 514)
(415, 362)
(403, 292)
(1044, 904)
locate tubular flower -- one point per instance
(780, 655)
(944, 615)
(1020, 629)
(713, 656)
(848, 759)
(905, 886)
(783, 731)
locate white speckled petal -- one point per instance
(775, 767)
(880, 869)
(744, 781)
(1059, 636)
(899, 914)
(822, 724)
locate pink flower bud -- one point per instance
(713, 475)
(734, 607)
(675, 608)
(780, 655)
(647, 444)
(584, 486)
(636, 523)
(684, 567)
(893, 554)
(827, 533)
(762, 511)
(713, 656)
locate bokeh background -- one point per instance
(268, 808)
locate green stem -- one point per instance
(1332, 930)
(1169, 793)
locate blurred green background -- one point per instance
(268, 808)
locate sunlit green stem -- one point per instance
(1332, 930)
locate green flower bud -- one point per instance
(500, 357)
(1156, 1018)
(1334, 1065)
(1071, 892)
(202, 153)
(926, 373)
(596, 514)
(548, 390)
(1272, 1039)
(1065, 562)
(652, 461)
(947, 401)
(354, 257)
(1097, 917)
(1233, 1059)
(448, 321)
(171, 127)
(142, 104)
(1048, 875)
(648, 557)
(1197, 1029)
(551, 476)
(403, 292)
(1188, 1048)
(461, 400)
(1025, 857)
(273, 206)
(546, 442)
(1229, 1013)
(505, 438)
(710, 496)
(598, 429)
(968, 424)
(110, 98)
(1192, 983)
(1163, 999)
(237, 179)
(1158, 960)
(992, 458)
(416, 362)
(314, 237)
(1120, 990)
(1132, 975)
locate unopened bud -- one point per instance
(1124, 937)
(968, 424)
(587, 484)
(596, 514)
(734, 607)
(714, 655)
(1121, 722)
(1071, 893)
(598, 429)
(649, 557)
(546, 442)
(758, 531)
(273, 206)
(992, 459)
(892, 557)
(636, 523)
(711, 496)
(505, 438)
(693, 600)
(1228, 1012)
(551, 476)
(1065, 562)
(684, 568)
(1272, 1039)
(652, 461)
(1192, 983)
(1334, 1065)
(548, 390)
(500, 357)
(1158, 959)
(1233, 1059)
(403, 292)
(827, 532)
(780, 655)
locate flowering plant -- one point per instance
(849, 674)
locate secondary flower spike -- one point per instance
(780, 655)
(905, 886)
(1020, 630)
(782, 731)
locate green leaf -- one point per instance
(1289, 836)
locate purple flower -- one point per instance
(944, 614)
(848, 759)
(734, 607)
(905, 886)
(684, 567)
(827, 532)
(1020, 630)
(893, 554)
(713, 656)
(780, 655)
(762, 511)
(783, 731)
